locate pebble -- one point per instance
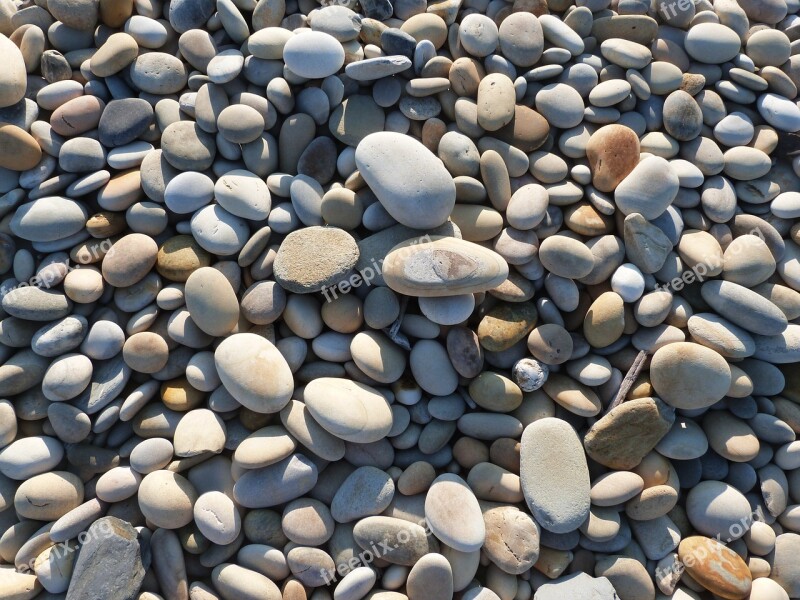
(389, 161)
(367, 491)
(648, 189)
(110, 561)
(715, 567)
(240, 362)
(442, 266)
(313, 55)
(453, 514)
(689, 376)
(613, 152)
(288, 479)
(315, 258)
(712, 43)
(744, 307)
(566, 257)
(367, 419)
(715, 508)
(627, 433)
(218, 313)
(557, 498)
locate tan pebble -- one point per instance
(495, 484)
(572, 395)
(551, 344)
(48, 496)
(106, 224)
(179, 257)
(615, 488)
(627, 433)
(416, 479)
(494, 392)
(77, 116)
(691, 376)
(377, 356)
(413, 268)
(145, 352)
(468, 452)
(345, 314)
(496, 100)
(129, 260)
(118, 51)
(477, 223)
(506, 324)
(512, 539)
(211, 301)
(199, 432)
(178, 395)
(731, 438)
(84, 285)
(167, 499)
(427, 26)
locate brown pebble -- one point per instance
(20, 150)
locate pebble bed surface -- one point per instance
(399, 300)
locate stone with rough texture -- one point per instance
(109, 565)
(512, 539)
(624, 436)
(315, 258)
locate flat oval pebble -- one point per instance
(389, 161)
(314, 55)
(211, 301)
(242, 361)
(687, 375)
(367, 419)
(557, 497)
(441, 266)
(453, 514)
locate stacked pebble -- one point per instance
(399, 300)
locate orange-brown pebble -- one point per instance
(716, 567)
(613, 152)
